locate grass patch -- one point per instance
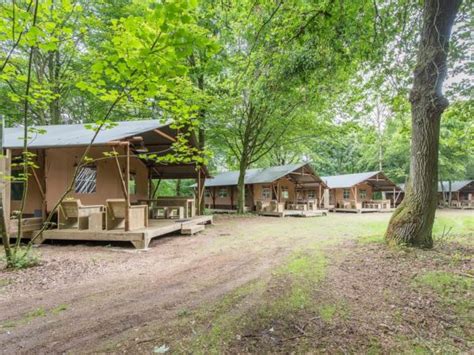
(371, 239)
(445, 282)
(288, 293)
(451, 288)
(4, 282)
(329, 312)
(36, 313)
(218, 324)
(59, 309)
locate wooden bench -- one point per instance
(73, 214)
(137, 215)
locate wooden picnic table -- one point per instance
(188, 204)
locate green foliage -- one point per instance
(21, 258)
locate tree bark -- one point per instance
(412, 222)
(241, 187)
(54, 105)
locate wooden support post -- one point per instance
(356, 198)
(150, 184)
(232, 197)
(278, 191)
(213, 197)
(295, 196)
(127, 185)
(123, 186)
(42, 193)
(319, 196)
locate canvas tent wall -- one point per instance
(282, 183)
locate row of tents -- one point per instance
(298, 185)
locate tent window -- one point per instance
(17, 185)
(311, 194)
(223, 192)
(346, 194)
(284, 192)
(362, 194)
(266, 192)
(86, 180)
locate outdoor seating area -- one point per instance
(136, 223)
(140, 238)
(170, 207)
(283, 209)
(363, 207)
(114, 196)
(361, 192)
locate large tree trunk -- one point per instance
(412, 222)
(241, 187)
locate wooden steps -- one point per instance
(190, 230)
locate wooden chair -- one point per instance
(312, 204)
(276, 206)
(72, 214)
(137, 215)
(262, 206)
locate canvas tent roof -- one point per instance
(455, 185)
(375, 178)
(263, 175)
(76, 134)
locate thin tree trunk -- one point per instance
(54, 105)
(4, 219)
(412, 222)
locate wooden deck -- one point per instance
(140, 238)
(363, 210)
(222, 210)
(295, 213)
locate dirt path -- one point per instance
(106, 291)
(84, 297)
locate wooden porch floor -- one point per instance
(362, 210)
(140, 238)
(295, 213)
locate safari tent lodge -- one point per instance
(457, 194)
(361, 192)
(287, 190)
(114, 196)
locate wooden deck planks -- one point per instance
(140, 237)
(295, 213)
